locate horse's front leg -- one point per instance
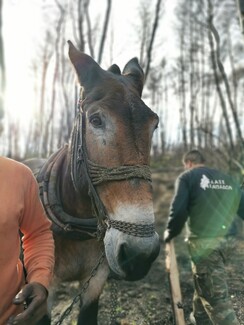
(46, 320)
(88, 314)
(89, 307)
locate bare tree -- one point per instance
(69, 108)
(217, 78)
(48, 146)
(185, 72)
(227, 86)
(81, 25)
(39, 121)
(2, 69)
(104, 32)
(200, 73)
(144, 30)
(89, 28)
(153, 34)
(240, 6)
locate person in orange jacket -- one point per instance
(21, 211)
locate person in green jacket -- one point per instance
(208, 201)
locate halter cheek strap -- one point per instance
(96, 174)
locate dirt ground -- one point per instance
(148, 302)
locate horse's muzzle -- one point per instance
(130, 257)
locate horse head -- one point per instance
(113, 140)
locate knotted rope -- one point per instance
(138, 230)
(100, 174)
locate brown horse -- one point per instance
(97, 190)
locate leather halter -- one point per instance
(81, 163)
(94, 227)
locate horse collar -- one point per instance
(62, 223)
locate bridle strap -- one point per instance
(96, 174)
(75, 147)
(79, 167)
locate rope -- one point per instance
(138, 230)
(100, 174)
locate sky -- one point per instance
(22, 27)
(20, 37)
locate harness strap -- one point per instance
(62, 223)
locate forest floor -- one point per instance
(148, 301)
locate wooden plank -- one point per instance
(173, 275)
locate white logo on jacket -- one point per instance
(217, 184)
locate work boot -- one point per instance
(192, 319)
(199, 321)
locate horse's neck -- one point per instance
(75, 203)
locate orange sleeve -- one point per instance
(38, 241)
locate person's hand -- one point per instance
(167, 237)
(35, 295)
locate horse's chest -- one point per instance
(75, 259)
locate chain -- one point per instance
(84, 288)
(113, 301)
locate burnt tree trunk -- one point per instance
(226, 83)
(150, 47)
(217, 78)
(105, 29)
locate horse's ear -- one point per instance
(134, 71)
(87, 70)
(114, 69)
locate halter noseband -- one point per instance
(96, 174)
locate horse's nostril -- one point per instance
(126, 258)
(123, 253)
(136, 261)
(131, 260)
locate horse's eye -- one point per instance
(96, 121)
